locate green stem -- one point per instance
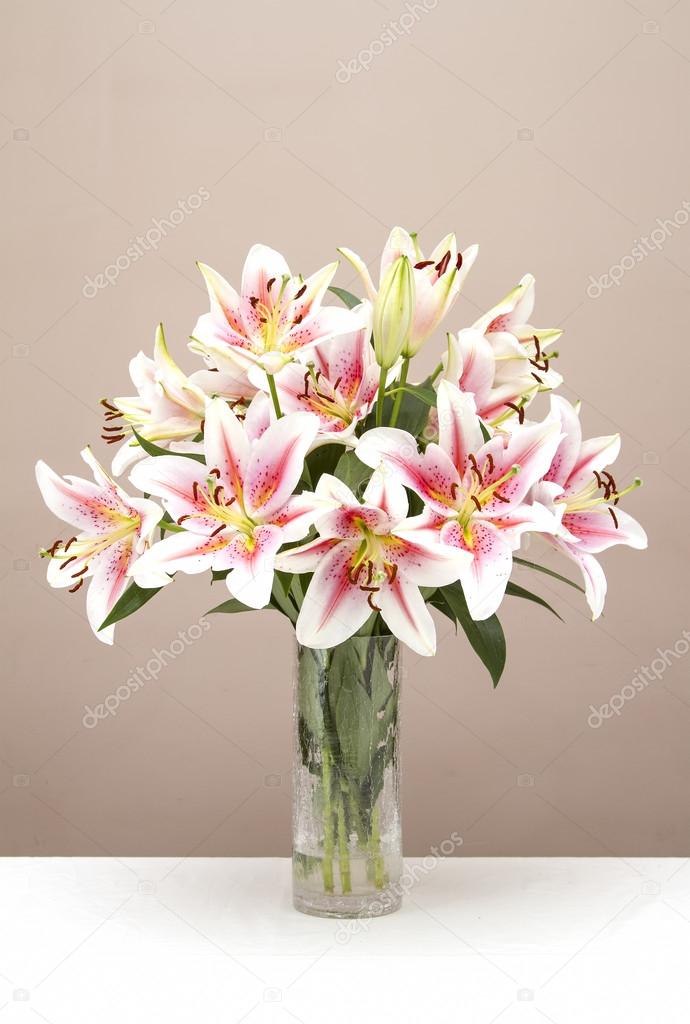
(436, 372)
(328, 831)
(343, 848)
(375, 850)
(380, 398)
(400, 391)
(274, 395)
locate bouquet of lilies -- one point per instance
(303, 467)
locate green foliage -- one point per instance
(153, 449)
(130, 601)
(486, 636)
(345, 297)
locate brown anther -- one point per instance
(391, 569)
(600, 482)
(519, 409)
(442, 264)
(490, 462)
(69, 543)
(612, 482)
(500, 497)
(218, 529)
(270, 283)
(230, 502)
(201, 426)
(195, 490)
(65, 564)
(107, 404)
(75, 588)
(182, 519)
(475, 467)
(458, 262)
(337, 384)
(112, 416)
(215, 472)
(306, 385)
(117, 428)
(76, 575)
(253, 301)
(216, 491)
(370, 571)
(613, 516)
(297, 320)
(112, 439)
(616, 499)
(300, 293)
(454, 491)
(370, 602)
(538, 379)
(543, 366)
(53, 548)
(423, 264)
(535, 339)
(353, 574)
(263, 320)
(477, 502)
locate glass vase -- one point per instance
(347, 849)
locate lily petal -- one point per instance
(276, 463)
(405, 612)
(227, 446)
(333, 609)
(597, 530)
(484, 581)
(252, 561)
(459, 429)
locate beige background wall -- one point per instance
(555, 134)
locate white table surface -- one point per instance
(216, 940)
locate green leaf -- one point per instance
(514, 590)
(132, 599)
(308, 694)
(353, 473)
(348, 298)
(218, 574)
(153, 449)
(282, 602)
(486, 637)
(322, 460)
(422, 392)
(169, 524)
(549, 572)
(414, 408)
(232, 606)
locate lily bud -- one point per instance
(394, 312)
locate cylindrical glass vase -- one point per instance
(347, 848)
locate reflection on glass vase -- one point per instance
(347, 848)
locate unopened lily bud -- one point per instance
(394, 312)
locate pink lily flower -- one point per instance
(521, 365)
(169, 407)
(437, 280)
(114, 530)
(237, 509)
(275, 316)
(368, 558)
(585, 496)
(475, 491)
(339, 384)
